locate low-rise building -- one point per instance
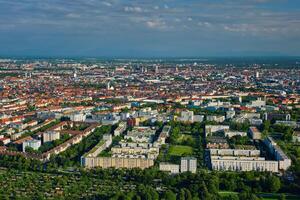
(215, 118)
(277, 116)
(141, 134)
(246, 117)
(215, 142)
(210, 129)
(4, 141)
(293, 124)
(296, 136)
(254, 133)
(256, 122)
(230, 133)
(230, 114)
(259, 103)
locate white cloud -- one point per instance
(157, 24)
(107, 3)
(133, 9)
(205, 24)
(73, 15)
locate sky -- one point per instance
(145, 28)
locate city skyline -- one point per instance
(116, 28)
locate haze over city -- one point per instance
(162, 28)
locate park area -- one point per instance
(180, 150)
(184, 140)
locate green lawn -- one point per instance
(180, 150)
(227, 193)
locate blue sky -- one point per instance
(145, 28)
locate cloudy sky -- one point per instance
(145, 28)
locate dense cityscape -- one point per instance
(208, 128)
(149, 100)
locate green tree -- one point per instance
(188, 195)
(282, 197)
(169, 195)
(272, 183)
(181, 195)
(247, 195)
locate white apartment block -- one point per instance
(188, 116)
(35, 144)
(77, 117)
(116, 162)
(188, 164)
(215, 118)
(120, 129)
(209, 129)
(168, 167)
(244, 117)
(231, 133)
(257, 103)
(256, 122)
(234, 152)
(49, 136)
(280, 156)
(243, 164)
(141, 134)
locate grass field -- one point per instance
(180, 150)
(227, 193)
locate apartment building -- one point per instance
(34, 144)
(276, 151)
(233, 163)
(210, 129)
(215, 118)
(120, 129)
(169, 167)
(230, 133)
(141, 134)
(116, 162)
(254, 133)
(188, 116)
(188, 164)
(49, 136)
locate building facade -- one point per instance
(188, 164)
